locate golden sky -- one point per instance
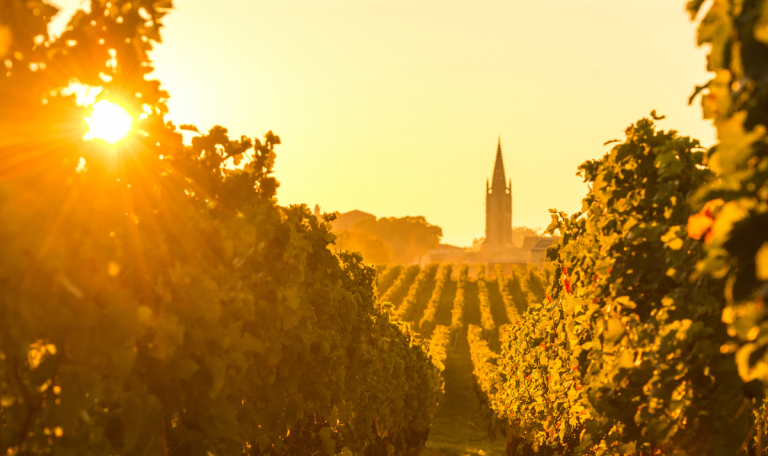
(395, 107)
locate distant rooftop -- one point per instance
(529, 241)
(449, 247)
(544, 242)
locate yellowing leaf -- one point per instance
(732, 212)
(144, 314)
(113, 269)
(735, 143)
(614, 330)
(329, 445)
(5, 40)
(761, 262)
(761, 27)
(217, 369)
(699, 224)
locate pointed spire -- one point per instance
(499, 181)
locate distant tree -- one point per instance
(519, 233)
(373, 248)
(477, 244)
(408, 237)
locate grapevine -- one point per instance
(486, 318)
(397, 291)
(427, 322)
(438, 344)
(457, 313)
(732, 218)
(512, 314)
(154, 300)
(407, 307)
(627, 354)
(387, 278)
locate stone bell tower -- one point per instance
(498, 207)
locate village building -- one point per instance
(498, 247)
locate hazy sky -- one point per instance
(395, 107)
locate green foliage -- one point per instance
(509, 304)
(417, 289)
(41, 66)
(517, 289)
(438, 345)
(735, 200)
(483, 362)
(155, 301)
(400, 288)
(387, 278)
(409, 237)
(399, 395)
(535, 283)
(427, 322)
(457, 313)
(627, 355)
(373, 249)
(486, 317)
(538, 379)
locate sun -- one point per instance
(109, 122)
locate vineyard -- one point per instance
(463, 317)
(155, 299)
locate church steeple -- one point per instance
(498, 207)
(499, 181)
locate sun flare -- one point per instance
(109, 122)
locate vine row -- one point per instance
(415, 291)
(398, 289)
(427, 322)
(387, 278)
(457, 312)
(509, 303)
(486, 317)
(438, 344)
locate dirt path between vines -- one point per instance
(460, 426)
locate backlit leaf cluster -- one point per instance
(625, 354)
(155, 298)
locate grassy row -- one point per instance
(486, 317)
(512, 312)
(400, 287)
(409, 303)
(387, 277)
(427, 322)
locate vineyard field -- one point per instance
(160, 297)
(464, 421)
